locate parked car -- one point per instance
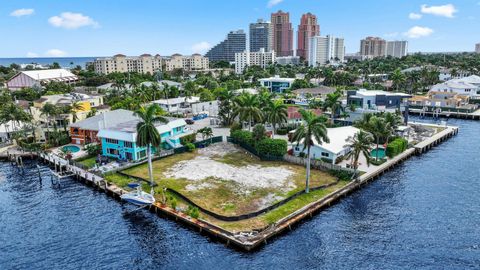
(189, 121)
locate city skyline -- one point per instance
(77, 29)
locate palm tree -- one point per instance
(312, 127)
(398, 78)
(380, 129)
(333, 102)
(247, 109)
(276, 113)
(360, 143)
(48, 110)
(75, 107)
(147, 134)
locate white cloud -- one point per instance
(22, 12)
(55, 53)
(201, 47)
(69, 20)
(418, 32)
(32, 54)
(272, 3)
(445, 10)
(414, 16)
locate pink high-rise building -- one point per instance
(308, 28)
(282, 34)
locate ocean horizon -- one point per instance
(64, 62)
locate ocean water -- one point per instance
(424, 214)
(65, 62)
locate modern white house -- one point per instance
(333, 150)
(176, 105)
(468, 86)
(37, 78)
(277, 84)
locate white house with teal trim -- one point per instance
(120, 141)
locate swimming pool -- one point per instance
(71, 148)
(381, 153)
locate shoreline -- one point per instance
(244, 241)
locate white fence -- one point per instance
(316, 164)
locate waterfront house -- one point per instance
(335, 150)
(375, 101)
(85, 131)
(442, 100)
(37, 78)
(276, 84)
(119, 141)
(176, 105)
(458, 86)
(87, 103)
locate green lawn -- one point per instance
(89, 162)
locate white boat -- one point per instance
(138, 196)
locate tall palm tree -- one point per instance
(75, 107)
(312, 127)
(276, 113)
(247, 109)
(398, 78)
(48, 110)
(333, 102)
(380, 129)
(147, 134)
(360, 143)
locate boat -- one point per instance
(138, 196)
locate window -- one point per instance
(128, 144)
(128, 156)
(111, 141)
(142, 154)
(112, 151)
(325, 154)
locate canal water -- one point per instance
(423, 214)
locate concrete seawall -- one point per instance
(241, 241)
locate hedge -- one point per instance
(191, 138)
(272, 147)
(396, 147)
(243, 136)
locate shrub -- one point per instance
(378, 162)
(258, 133)
(327, 160)
(272, 147)
(396, 147)
(193, 211)
(342, 175)
(191, 138)
(93, 149)
(190, 147)
(173, 203)
(242, 136)
(235, 126)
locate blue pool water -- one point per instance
(424, 214)
(71, 148)
(381, 153)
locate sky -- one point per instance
(76, 28)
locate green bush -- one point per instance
(190, 147)
(342, 175)
(191, 138)
(235, 126)
(272, 147)
(173, 203)
(193, 211)
(327, 160)
(93, 149)
(242, 136)
(259, 132)
(396, 147)
(380, 161)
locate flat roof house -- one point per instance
(119, 141)
(277, 84)
(176, 105)
(335, 149)
(374, 101)
(85, 131)
(38, 78)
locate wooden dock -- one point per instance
(241, 241)
(445, 114)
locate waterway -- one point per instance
(424, 214)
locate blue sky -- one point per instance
(106, 27)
